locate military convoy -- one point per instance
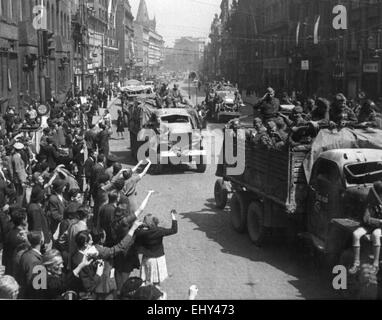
(316, 193)
(177, 139)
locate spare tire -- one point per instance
(239, 207)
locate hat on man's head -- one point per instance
(18, 146)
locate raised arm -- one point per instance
(144, 204)
(137, 166)
(146, 169)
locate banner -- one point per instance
(316, 26)
(297, 33)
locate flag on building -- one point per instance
(316, 26)
(9, 80)
(297, 33)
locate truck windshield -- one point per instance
(176, 119)
(361, 173)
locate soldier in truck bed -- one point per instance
(371, 224)
(367, 115)
(340, 114)
(268, 105)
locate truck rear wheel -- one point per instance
(255, 223)
(221, 194)
(201, 167)
(239, 207)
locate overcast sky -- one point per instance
(177, 18)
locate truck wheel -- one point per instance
(239, 207)
(221, 194)
(255, 223)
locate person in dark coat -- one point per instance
(367, 115)
(150, 240)
(91, 138)
(58, 283)
(103, 140)
(340, 114)
(14, 238)
(90, 276)
(120, 124)
(56, 205)
(28, 261)
(38, 221)
(106, 216)
(51, 153)
(269, 106)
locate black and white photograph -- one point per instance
(211, 151)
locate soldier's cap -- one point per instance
(18, 146)
(270, 90)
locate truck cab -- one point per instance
(338, 187)
(179, 138)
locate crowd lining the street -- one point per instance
(68, 207)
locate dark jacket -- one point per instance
(12, 241)
(28, 261)
(89, 279)
(52, 156)
(37, 221)
(151, 240)
(337, 115)
(103, 142)
(106, 218)
(55, 211)
(91, 139)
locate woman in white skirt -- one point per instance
(150, 239)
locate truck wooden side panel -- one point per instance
(276, 175)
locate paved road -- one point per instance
(209, 253)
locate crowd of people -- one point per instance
(288, 122)
(69, 211)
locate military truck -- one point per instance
(224, 106)
(177, 140)
(317, 193)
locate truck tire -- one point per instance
(221, 194)
(255, 223)
(239, 207)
